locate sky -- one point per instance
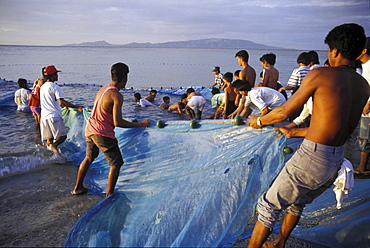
(294, 24)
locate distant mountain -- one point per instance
(203, 43)
(95, 43)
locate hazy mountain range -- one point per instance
(203, 43)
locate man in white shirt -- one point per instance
(52, 126)
(261, 99)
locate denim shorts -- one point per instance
(310, 171)
(107, 145)
(364, 145)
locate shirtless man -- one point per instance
(151, 96)
(339, 94)
(99, 131)
(247, 73)
(179, 106)
(270, 73)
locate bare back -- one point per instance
(270, 78)
(339, 94)
(248, 74)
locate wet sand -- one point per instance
(37, 209)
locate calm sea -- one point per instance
(84, 69)
(148, 66)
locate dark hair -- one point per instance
(50, 75)
(137, 95)
(348, 38)
(327, 62)
(184, 96)
(242, 85)
(119, 72)
(303, 58)
(237, 72)
(153, 91)
(228, 76)
(165, 98)
(22, 83)
(243, 54)
(215, 91)
(269, 58)
(189, 90)
(314, 57)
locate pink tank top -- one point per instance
(100, 121)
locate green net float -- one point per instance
(238, 120)
(160, 124)
(288, 150)
(193, 124)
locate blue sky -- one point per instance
(283, 23)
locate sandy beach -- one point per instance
(37, 209)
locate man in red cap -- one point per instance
(52, 126)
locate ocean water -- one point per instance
(85, 69)
(149, 67)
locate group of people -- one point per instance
(192, 103)
(242, 96)
(338, 95)
(44, 102)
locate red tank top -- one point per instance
(35, 95)
(100, 121)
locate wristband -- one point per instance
(259, 121)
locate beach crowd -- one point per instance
(326, 104)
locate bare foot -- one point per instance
(81, 191)
(360, 172)
(277, 242)
(54, 149)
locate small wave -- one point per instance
(10, 165)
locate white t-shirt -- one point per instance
(21, 98)
(262, 97)
(306, 112)
(49, 95)
(145, 103)
(366, 71)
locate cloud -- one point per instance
(290, 24)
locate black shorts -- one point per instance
(107, 145)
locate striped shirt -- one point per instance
(297, 76)
(219, 80)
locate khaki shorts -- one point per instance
(52, 128)
(107, 145)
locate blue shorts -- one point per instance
(310, 171)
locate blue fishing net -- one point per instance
(186, 187)
(181, 186)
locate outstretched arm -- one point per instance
(67, 104)
(293, 132)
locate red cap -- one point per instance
(48, 70)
